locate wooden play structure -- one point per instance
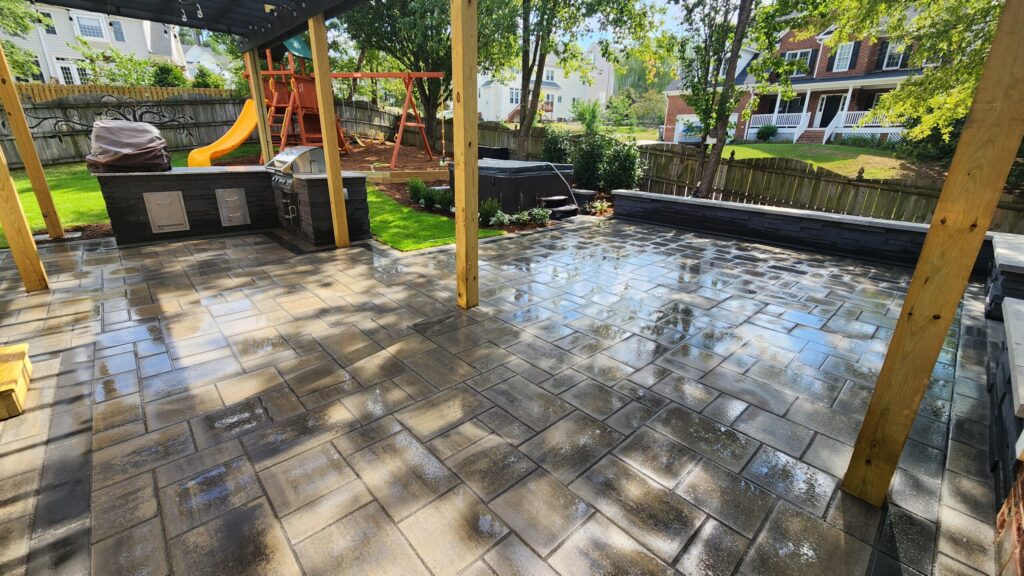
(293, 115)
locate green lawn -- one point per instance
(406, 229)
(79, 201)
(846, 160)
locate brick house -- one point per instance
(841, 84)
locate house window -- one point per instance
(893, 57)
(559, 99)
(70, 72)
(575, 100)
(514, 95)
(50, 28)
(876, 98)
(118, 30)
(794, 106)
(89, 27)
(549, 98)
(800, 56)
(843, 55)
(549, 75)
(83, 75)
(67, 74)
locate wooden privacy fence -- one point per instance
(790, 183)
(37, 92)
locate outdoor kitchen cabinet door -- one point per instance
(234, 211)
(166, 211)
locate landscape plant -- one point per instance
(766, 132)
(417, 190)
(557, 146)
(168, 75)
(588, 158)
(488, 209)
(206, 78)
(621, 168)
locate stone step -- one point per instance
(15, 372)
(564, 211)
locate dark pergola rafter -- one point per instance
(262, 23)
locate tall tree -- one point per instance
(952, 36)
(417, 35)
(554, 28)
(712, 37)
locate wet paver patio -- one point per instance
(626, 399)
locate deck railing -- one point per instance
(855, 118)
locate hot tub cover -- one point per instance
(123, 146)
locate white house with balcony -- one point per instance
(499, 99)
(58, 62)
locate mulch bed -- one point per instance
(400, 193)
(89, 232)
(371, 155)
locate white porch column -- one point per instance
(807, 101)
(846, 107)
(775, 113)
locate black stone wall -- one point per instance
(315, 208)
(127, 208)
(865, 238)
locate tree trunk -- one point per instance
(359, 67)
(528, 116)
(523, 137)
(721, 129)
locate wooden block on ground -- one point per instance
(15, 372)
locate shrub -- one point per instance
(444, 200)
(488, 210)
(767, 132)
(557, 147)
(206, 78)
(429, 198)
(597, 207)
(417, 190)
(500, 219)
(622, 167)
(587, 113)
(538, 215)
(587, 158)
(168, 75)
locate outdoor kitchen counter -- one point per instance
(189, 202)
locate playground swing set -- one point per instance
(293, 116)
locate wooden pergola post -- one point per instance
(328, 127)
(19, 235)
(464, 55)
(252, 65)
(987, 148)
(27, 148)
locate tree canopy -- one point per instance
(17, 18)
(416, 35)
(950, 39)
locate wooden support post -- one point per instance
(464, 53)
(328, 124)
(19, 235)
(27, 148)
(982, 161)
(252, 65)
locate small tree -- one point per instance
(587, 113)
(206, 78)
(168, 75)
(112, 67)
(18, 18)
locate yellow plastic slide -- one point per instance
(235, 137)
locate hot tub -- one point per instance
(519, 185)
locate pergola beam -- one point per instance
(966, 206)
(252, 66)
(328, 127)
(464, 54)
(19, 235)
(27, 148)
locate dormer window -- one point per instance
(800, 56)
(549, 75)
(893, 57)
(843, 56)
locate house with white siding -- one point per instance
(51, 41)
(499, 100)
